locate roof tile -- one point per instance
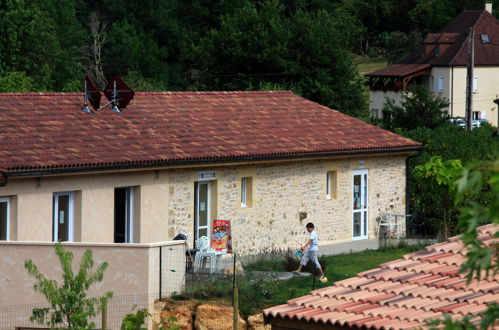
(394, 297)
(47, 131)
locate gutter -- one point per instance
(5, 179)
(206, 161)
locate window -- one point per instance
(4, 218)
(485, 38)
(246, 191)
(475, 84)
(63, 217)
(476, 115)
(331, 185)
(438, 84)
(437, 49)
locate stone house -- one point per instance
(172, 162)
(440, 64)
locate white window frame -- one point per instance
(55, 215)
(440, 86)
(208, 210)
(244, 192)
(329, 185)
(475, 84)
(129, 220)
(7, 200)
(364, 209)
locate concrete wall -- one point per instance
(378, 98)
(280, 192)
(132, 275)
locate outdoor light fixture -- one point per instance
(496, 101)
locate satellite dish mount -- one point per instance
(116, 91)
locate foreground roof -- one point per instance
(452, 41)
(48, 131)
(399, 294)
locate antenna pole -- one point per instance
(469, 79)
(85, 96)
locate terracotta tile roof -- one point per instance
(400, 294)
(453, 40)
(48, 131)
(399, 70)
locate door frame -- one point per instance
(129, 213)
(129, 220)
(196, 207)
(364, 207)
(55, 227)
(7, 200)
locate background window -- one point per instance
(331, 185)
(4, 218)
(246, 191)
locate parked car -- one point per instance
(478, 122)
(458, 121)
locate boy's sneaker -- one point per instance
(323, 279)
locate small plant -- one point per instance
(137, 320)
(69, 307)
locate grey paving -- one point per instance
(348, 247)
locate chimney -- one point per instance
(488, 7)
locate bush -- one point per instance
(450, 143)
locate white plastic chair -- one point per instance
(207, 253)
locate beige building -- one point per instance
(441, 65)
(172, 163)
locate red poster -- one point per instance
(221, 239)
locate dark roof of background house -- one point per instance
(400, 294)
(48, 131)
(399, 70)
(455, 35)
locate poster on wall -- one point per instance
(221, 239)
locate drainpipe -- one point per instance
(5, 179)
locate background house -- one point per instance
(440, 64)
(171, 163)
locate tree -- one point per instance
(69, 306)
(302, 51)
(481, 260)
(419, 108)
(438, 177)
(16, 82)
(448, 142)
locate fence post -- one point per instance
(104, 316)
(313, 280)
(236, 309)
(235, 297)
(160, 271)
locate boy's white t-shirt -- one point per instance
(314, 246)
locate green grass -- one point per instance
(339, 267)
(366, 64)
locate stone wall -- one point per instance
(282, 191)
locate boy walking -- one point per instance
(311, 252)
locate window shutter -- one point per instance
(475, 84)
(483, 114)
(435, 83)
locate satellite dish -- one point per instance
(92, 93)
(118, 93)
